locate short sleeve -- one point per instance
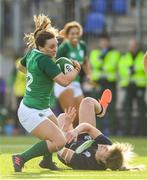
(62, 50)
(49, 67)
(103, 140)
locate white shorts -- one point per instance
(30, 118)
(75, 86)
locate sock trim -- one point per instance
(102, 110)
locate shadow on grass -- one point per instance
(44, 174)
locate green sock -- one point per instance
(39, 149)
(47, 157)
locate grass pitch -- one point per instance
(12, 145)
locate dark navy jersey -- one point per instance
(85, 160)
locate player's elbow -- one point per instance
(18, 66)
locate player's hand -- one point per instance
(71, 135)
(70, 114)
(76, 65)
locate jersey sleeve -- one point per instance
(49, 67)
(24, 59)
(62, 50)
(103, 140)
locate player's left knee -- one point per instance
(61, 144)
(87, 100)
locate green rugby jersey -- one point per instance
(41, 69)
(76, 53)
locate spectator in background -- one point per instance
(18, 81)
(133, 82)
(8, 127)
(19, 84)
(134, 3)
(2, 92)
(2, 103)
(104, 63)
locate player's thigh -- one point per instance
(47, 130)
(66, 99)
(54, 119)
(77, 102)
(88, 109)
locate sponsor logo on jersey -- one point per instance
(87, 137)
(87, 154)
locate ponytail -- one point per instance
(42, 25)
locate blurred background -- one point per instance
(107, 24)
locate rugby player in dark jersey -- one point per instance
(92, 150)
(87, 148)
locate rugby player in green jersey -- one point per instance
(73, 48)
(34, 111)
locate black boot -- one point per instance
(47, 163)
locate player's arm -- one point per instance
(83, 128)
(75, 160)
(86, 67)
(66, 79)
(145, 62)
(21, 68)
(48, 66)
(66, 154)
(92, 131)
(21, 65)
(66, 119)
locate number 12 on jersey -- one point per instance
(29, 81)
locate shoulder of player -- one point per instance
(45, 61)
(41, 56)
(26, 55)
